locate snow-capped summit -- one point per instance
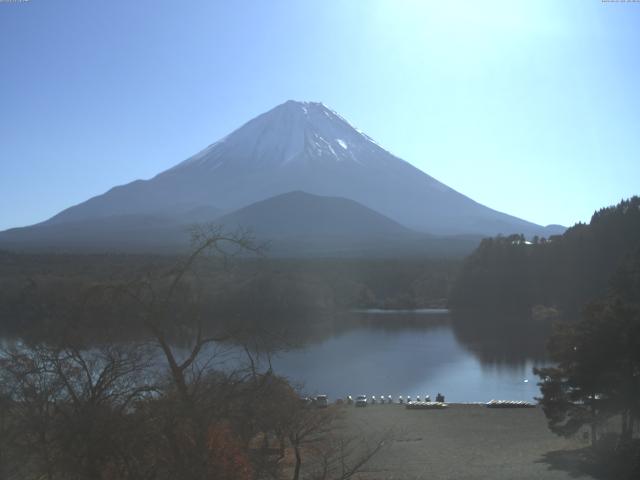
(291, 132)
(302, 146)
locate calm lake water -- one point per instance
(410, 353)
(378, 352)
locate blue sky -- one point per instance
(532, 108)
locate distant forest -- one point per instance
(39, 293)
(559, 274)
(505, 278)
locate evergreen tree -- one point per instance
(597, 372)
(565, 271)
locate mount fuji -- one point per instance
(295, 147)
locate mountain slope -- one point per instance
(303, 146)
(294, 224)
(298, 224)
(302, 214)
(133, 232)
(141, 232)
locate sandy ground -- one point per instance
(464, 442)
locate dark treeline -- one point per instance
(562, 273)
(593, 386)
(589, 280)
(284, 293)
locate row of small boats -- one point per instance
(509, 404)
(382, 399)
(425, 405)
(491, 404)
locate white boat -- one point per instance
(426, 405)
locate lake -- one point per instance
(396, 352)
(413, 353)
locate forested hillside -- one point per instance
(36, 291)
(565, 272)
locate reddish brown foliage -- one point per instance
(227, 459)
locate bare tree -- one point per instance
(323, 447)
(340, 457)
(170, 303)
(170, 307)
(68, 407)
(106, 409)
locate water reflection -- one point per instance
(421, 353)
(465, 356)
(500, 339)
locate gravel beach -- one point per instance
(463, 442)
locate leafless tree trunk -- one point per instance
(322, 450)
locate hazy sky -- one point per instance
(531, 108)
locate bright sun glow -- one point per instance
(472, 26)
